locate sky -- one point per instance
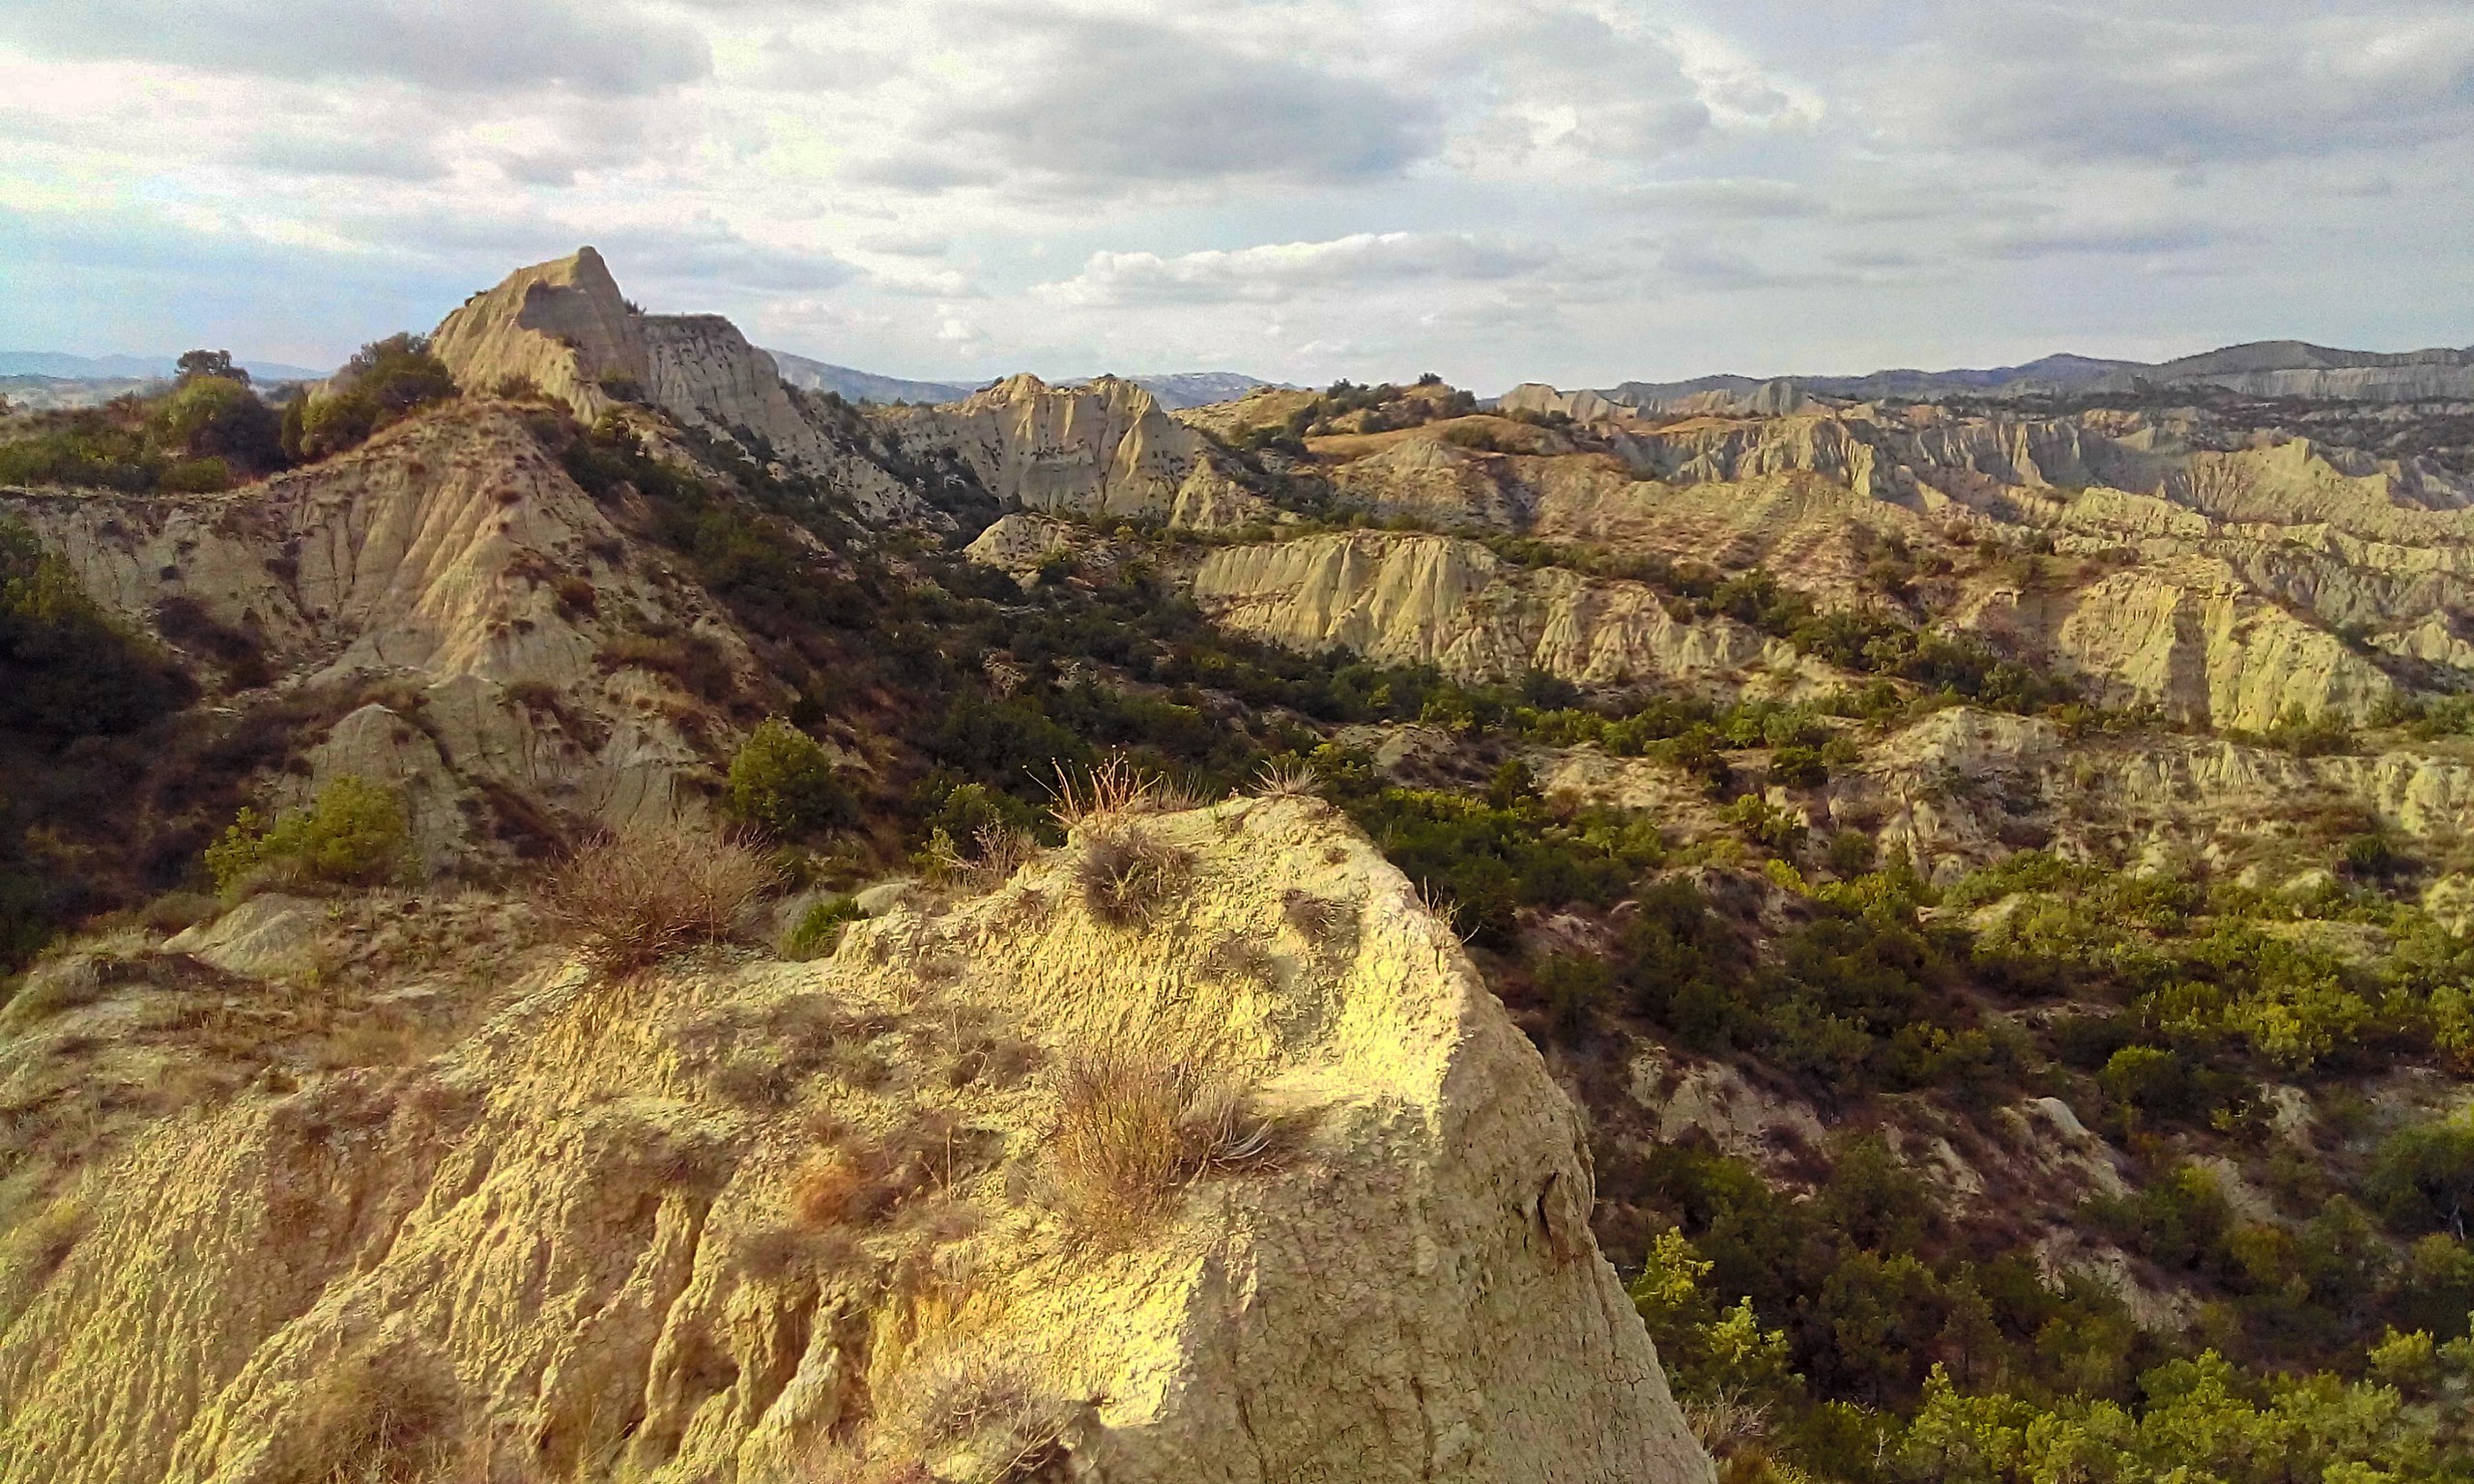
(1576, 191)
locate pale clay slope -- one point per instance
(1104, 448)
(577, 1213)
(429, 556)
(2241, 566)
(1419, 599)
(566, 327)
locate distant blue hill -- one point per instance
(121, 368)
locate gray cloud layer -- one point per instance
(1575, 189)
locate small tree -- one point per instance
(354, 833)
(783, 781)
(219, 417)
(2423, 1178)
(385, 382)
(215, 364)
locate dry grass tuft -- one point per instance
(1117, 787)
(1128, 874)
(634, 899)
(1326, 923)
(999, 852)
(1288, 779)
(1003, 851)
(995, 1404)
(827, 1189)
(1134, 1129)
(1242, 960)
(389, 1416)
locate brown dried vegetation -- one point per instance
(634, 899)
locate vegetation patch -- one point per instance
(1128, 873)
(632, 899)
(1135, 1128)
(352, 834)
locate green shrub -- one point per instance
(352, 834)
(783, 781)
(219, 417)
(1797, 767)
(67, 667)
(1575, 986)
(385, 382)
(2423, 1178)
(818, 930)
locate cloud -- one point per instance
(507, 45)
(339, 154)
(708, 254)
(1571, 87)
(1273, 273)
(2023, 244)
(1125, 102)
(907, 244)
(2177, 82)
(1726, 197)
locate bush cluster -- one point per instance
(352, 834)
(385, 382)
(633, 899)
(208, 432)
(783, 781)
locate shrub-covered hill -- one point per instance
(1994, 886)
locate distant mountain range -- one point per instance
(126, 368)
(2268, 368)
(1171, 391)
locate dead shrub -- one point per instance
(1326, 923)
(1003, 851)
(695, 662)
(1134, 1129)
(781, 1252)
(1116, 787)
(1128, 874)
(386, 1416)
(633, 899)
(825, 1188)
(1009, 1418)
(1241, 958)
(1288, 779)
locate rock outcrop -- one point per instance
(576, 1244)
(565, 327)
(451, 563)
(2227, 577)
(1413, 600)
(1102, 448)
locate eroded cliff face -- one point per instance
(2225, 579)
(1412, 599)
(575, 1235)
(1103, 448)
(565, 327)
(451, 564)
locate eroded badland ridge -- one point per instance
(585, 912)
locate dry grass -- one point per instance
(635, 897)
(391, 1416)
(995, 1404)
(1293, 778)
(1115, 788)
(1326, 923)
(1135, 1128)
(825, 1188)
(1128, 874)
(999, 852)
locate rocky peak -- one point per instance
(566, 327)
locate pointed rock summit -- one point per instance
(565, 327)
